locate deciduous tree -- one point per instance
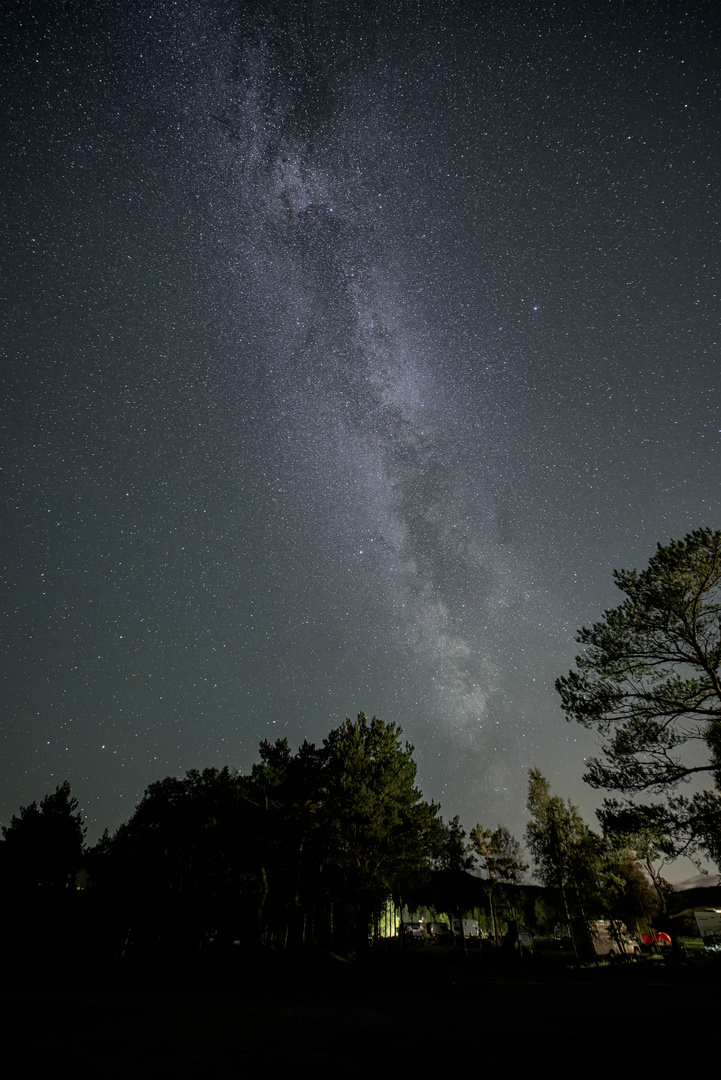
(566, 853)
(499, 857)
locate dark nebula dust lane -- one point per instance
(347, 348)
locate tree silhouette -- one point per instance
(183, 860)
(566, 853)
(44, 844)
(648, 682)
(379, 833)
(499, 856)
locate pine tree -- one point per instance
(44, 844)
(649, 683)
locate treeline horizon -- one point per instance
(310, 848)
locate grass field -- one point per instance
(319, 1016)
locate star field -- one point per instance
(347, 348)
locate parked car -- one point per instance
(439, 932)
(519, 939)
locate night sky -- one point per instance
(346, 349)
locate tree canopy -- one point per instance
(499, 854)
(648, 682)
(563, 847)
(567, 855)
(305, 847)
(499, 857)
(44, 845)
(379, 829)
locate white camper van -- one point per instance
(609, 940)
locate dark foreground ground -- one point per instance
(408, 1016)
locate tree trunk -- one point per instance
(262, 897)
